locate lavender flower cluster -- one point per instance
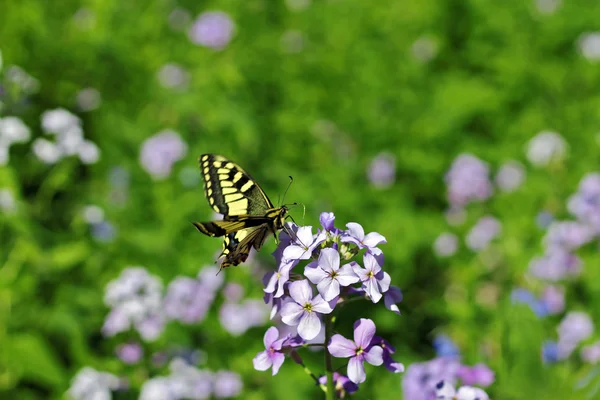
(337, 278)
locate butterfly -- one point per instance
(249, 217)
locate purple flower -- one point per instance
(276, 280)
(468, 180)
(446, 391)
(359, 350)
(591, 353)
(238, 318)
(569, 235)
(575, 327)
(420, 379)
(375, 281)
(187, 300)
(226, 384)
(130, 353)
(555, 265)
(327, 219)
(554, 299)
(327, 274)
(388, 350)
(484, 231)
(521, 295)
(343, 385)
(479, 374)
(212, 29)
(391, 298)
(272, 356)
(302, 311)
(160, 152)
(445, 245)
(550, 352)
(356, 234)
(445, 347)
(585, 204)
(382, 171)
(303, 244)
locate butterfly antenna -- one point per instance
(286, 190)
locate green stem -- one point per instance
(330, 393)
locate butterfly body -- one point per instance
(249, 217)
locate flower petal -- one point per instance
(340, 347)
(277, 359)
(371, 263)
(315, 274)
(300, 291)
(356, 370)
(327, 219)
(361, 272)
(444, 391)
(374, 355)
(262, 361)
(391, 298)
(291, 313)
(364, 330)
(293, 252)
(310, 326)
(384, 282)
(328, 288)
(372, 289)
(346, 275)
(304, 236)
(329, 260)
(321, 306)
(271, 335)
(356, 230)
(373, 239)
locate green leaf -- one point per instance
(30, 357)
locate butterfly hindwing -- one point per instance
(237, 246)
(230, 190)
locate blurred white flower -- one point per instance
(93, 214)
(424, 49)
(160, 152)
(13, 130)
(7, 201)
(297, 5)
(212, 29)
(179, 19)
(70, 139)
(90, 384)
(18, 76)
(510, 176)
(159, 388)
(382, 170)
(445, 245)
(547, 6)
(589, 45)
(88, 151)
(59, 120)
(173, 76)
(46, 151)
(292, 41)
(546, 147)
(88, 99)
(483, 232)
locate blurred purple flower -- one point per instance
(238, 318)
(104, 231)
(227, 384)
(358, 350)
(524, 296)
(446, 244)
(544, 219)
(468, 180)
(273, 355)
(483, 232)
(575, 327)
(554, 299)
(187, 300)
(375, 280)
(591, 353)
(160, 152)
(209, 277)
(130, 353)
(510, 176)
(173, 76)
(190, 382)
(446, 391)
(455, 216)
(550, 352)
(445, 347)
(420, 379)
(92, 384)
(343, 385)
(303, 311)
(356, 234)
(327, 274)
(569, 235)
(479, 374)
(212, 29)
(585, 203)
(382, 170)
(233, 292)
(555, 265)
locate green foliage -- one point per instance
(500, 72)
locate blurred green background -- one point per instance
(317, 90)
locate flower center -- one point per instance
(359, 350)
(308, 307)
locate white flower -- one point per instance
(46, 151)
(90, 384)
(88, 99)
(7, 201)
(589, 45)
(545, 147)
(58, 120)
(93, 214)
(70, 139)
(13, 130)
(446, 391)
(89, 152)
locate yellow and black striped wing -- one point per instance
(237, 245)
(230, 190)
